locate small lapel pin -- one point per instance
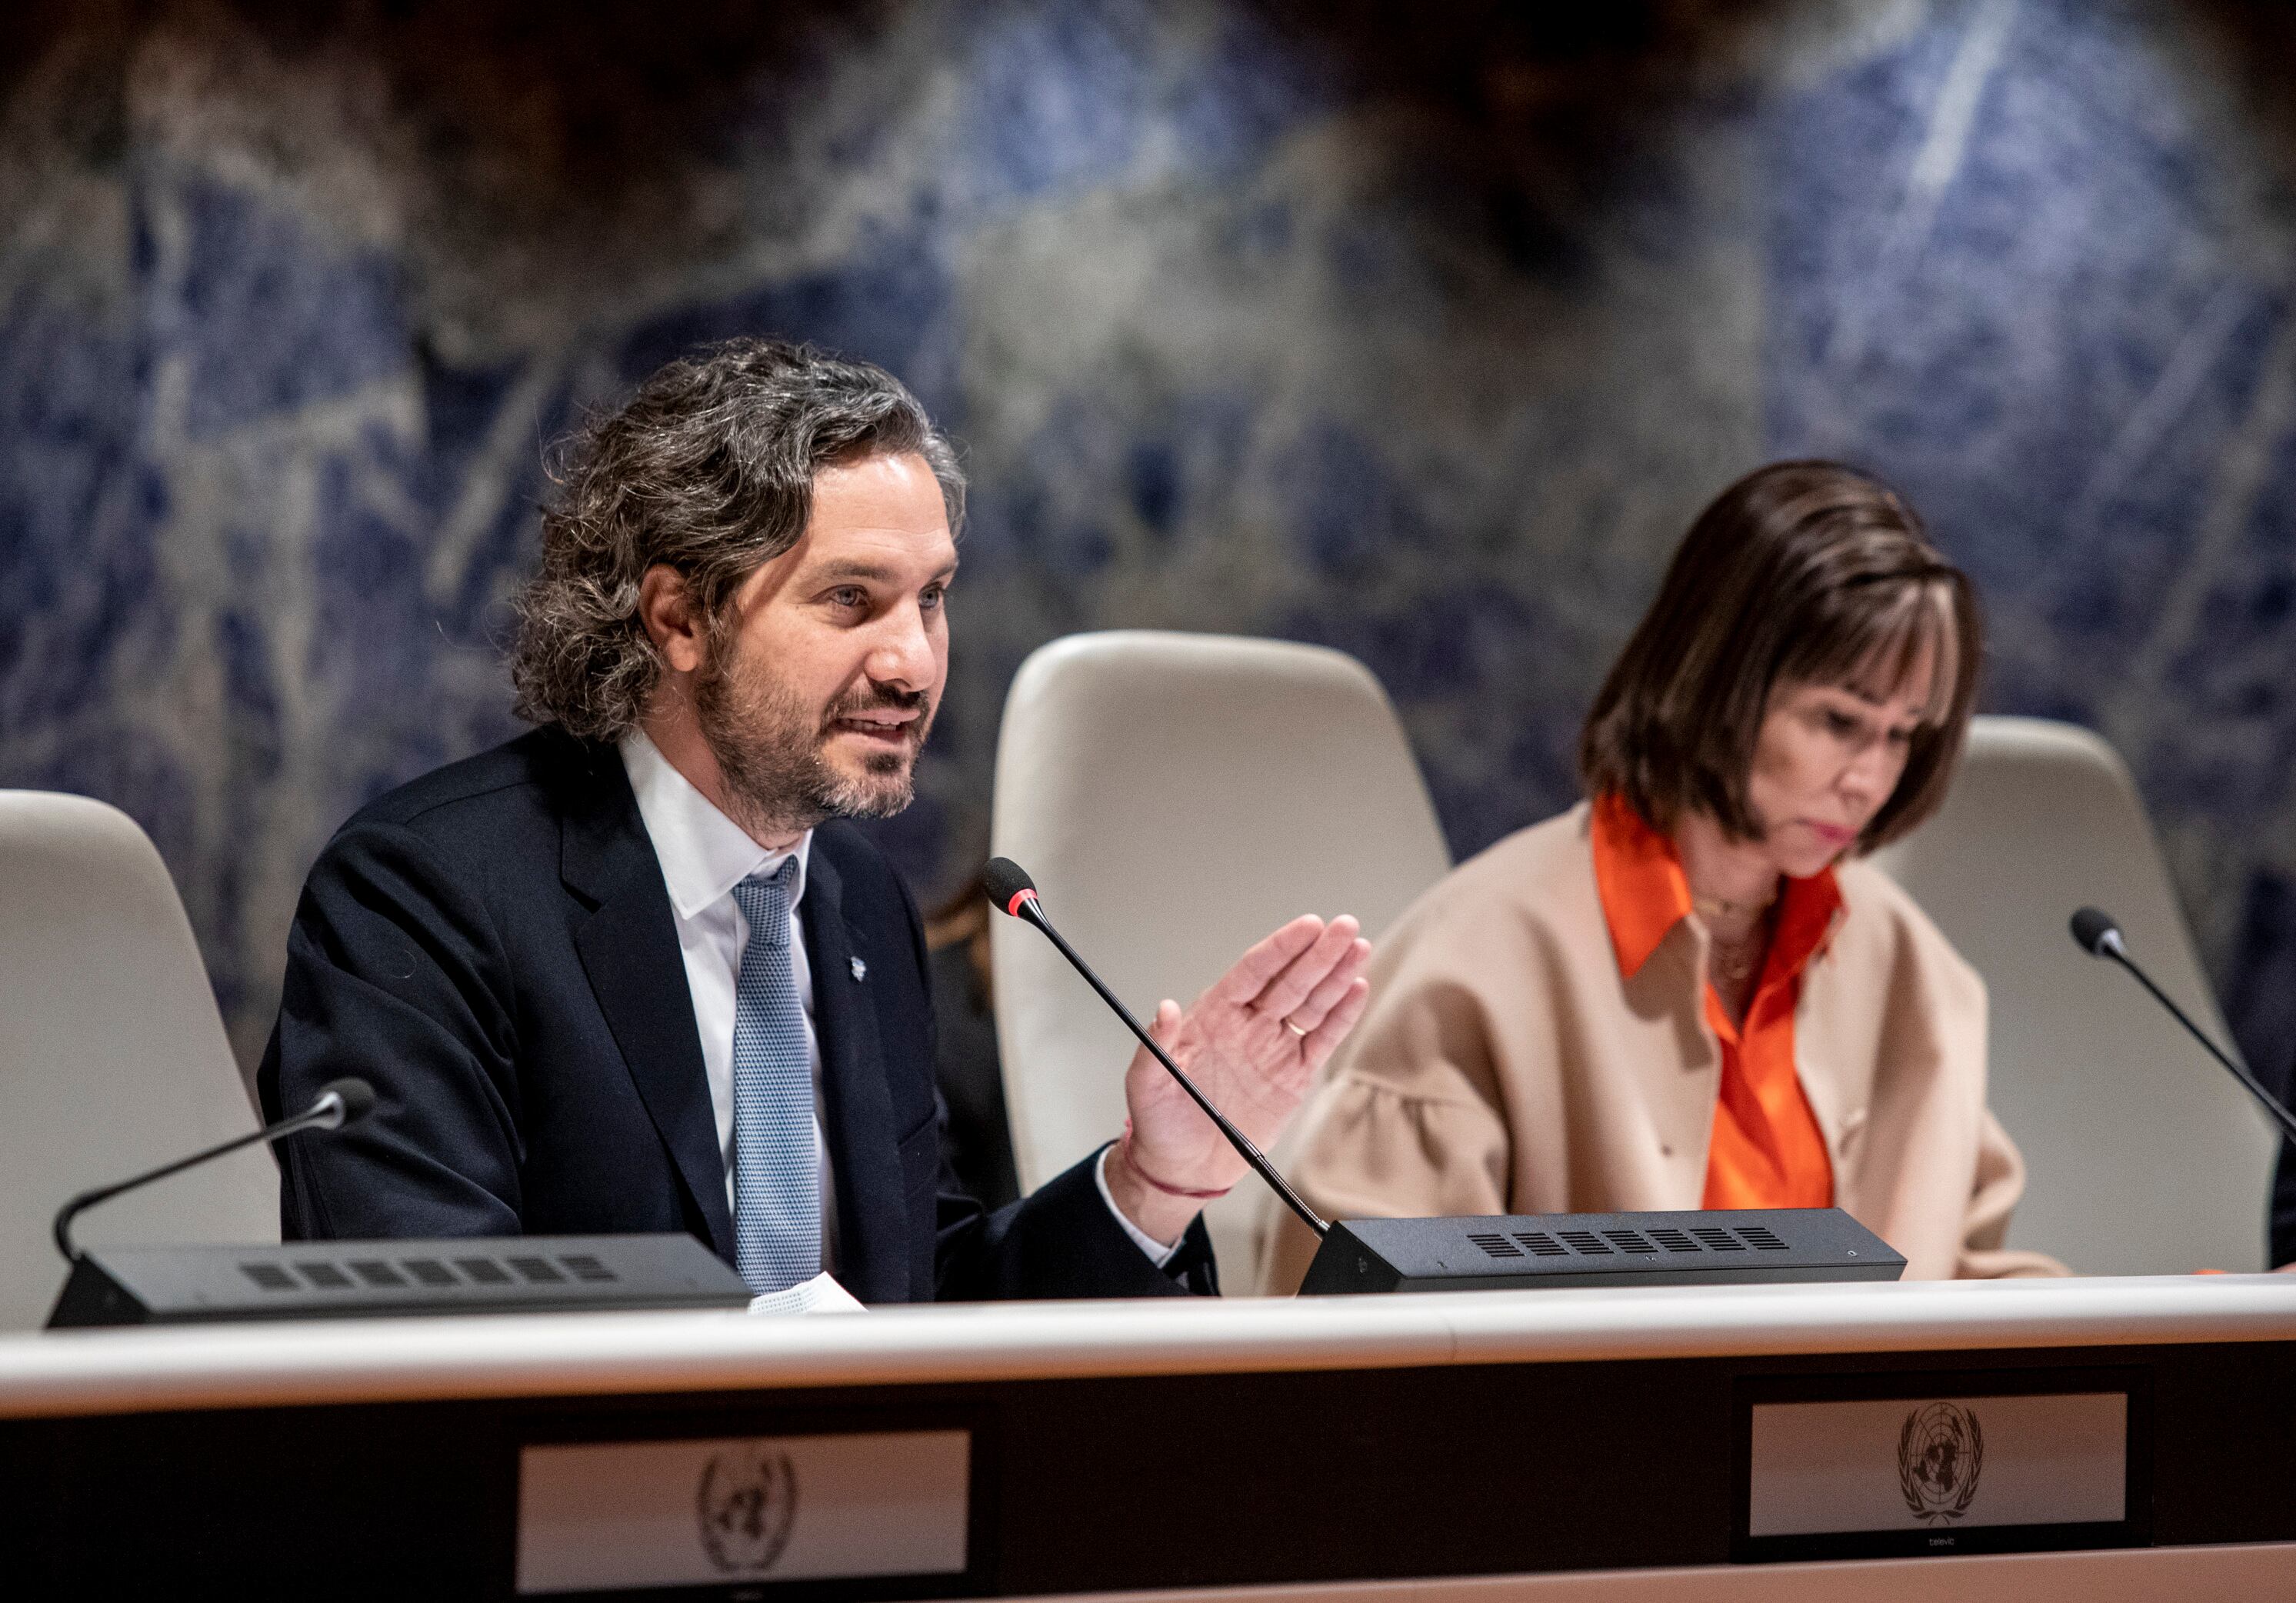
(860, 969)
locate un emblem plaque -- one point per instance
(746, 1505)
(1856, 1466)
(752, 1512)
(1941, 1454)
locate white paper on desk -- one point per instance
(820, 1294)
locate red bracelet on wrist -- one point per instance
(1134, 1164)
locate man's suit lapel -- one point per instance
(628, 945)
(857, 1112)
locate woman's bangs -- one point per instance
(1922, 628)
(1880, 646)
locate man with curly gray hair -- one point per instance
(634, 971)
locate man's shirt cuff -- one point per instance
(1158, 1253)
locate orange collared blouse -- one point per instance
(1766, 1150)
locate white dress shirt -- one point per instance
(704, 854)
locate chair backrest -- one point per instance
(2143, 1155)
(1176, 798)
(113, 1055)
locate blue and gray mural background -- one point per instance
(1417, 331)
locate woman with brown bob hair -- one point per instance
(1687, 992)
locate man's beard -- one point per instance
(770, 751)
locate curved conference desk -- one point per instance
(2097, 1439)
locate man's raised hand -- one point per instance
(1251, 1042)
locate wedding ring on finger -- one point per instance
(1295, 1029)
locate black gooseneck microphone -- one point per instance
(2094, 931)
(1010, 887)
(339, 1102)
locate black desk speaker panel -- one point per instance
(349, 1279)
(1530, 1251)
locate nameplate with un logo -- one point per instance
(738, 1510)
(1942, 1464)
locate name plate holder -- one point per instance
(767, 1504)
(1940, 1462)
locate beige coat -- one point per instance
(1504, 1066)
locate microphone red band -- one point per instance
(1124, 1146)
(1025, 893)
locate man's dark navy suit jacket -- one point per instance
(492, 946)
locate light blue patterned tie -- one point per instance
(776, 1173)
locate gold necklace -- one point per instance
(1735, 958)
(1714, 907)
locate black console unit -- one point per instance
(349, 1279)
(1530, 1251)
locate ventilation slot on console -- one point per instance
(1674, 1240)
(587, 1267)
(1543, 1245)
(1496, 1246)
(1720, 1241)
(1585, 1243)
(1628, 1241)
(1762, 1238)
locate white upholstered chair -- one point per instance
(2143, 1155)
(1176, 798)
(113, 1055)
